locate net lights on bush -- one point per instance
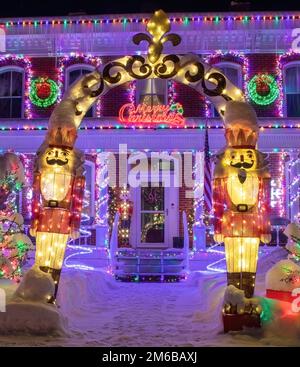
(43, 92)
(263, 89)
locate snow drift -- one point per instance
(28, 310)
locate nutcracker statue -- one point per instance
(125, 211)
(58, 190)
(241, 192)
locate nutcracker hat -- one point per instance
(62, 136)
(241, 127)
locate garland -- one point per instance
(43, 92)
(270, 89)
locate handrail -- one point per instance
(113, 244)
(186, 242)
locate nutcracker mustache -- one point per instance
(242, 165)
(57, 161)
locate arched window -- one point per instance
(74, 72)
(292, 89)
(233, 72)
(11, 92)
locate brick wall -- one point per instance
(192, 101)
(263, 63)
(114, 100)
(43, 67)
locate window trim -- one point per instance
(138, 93)
(288, 65)
(19, 69)
(73, 67)
(233, 65)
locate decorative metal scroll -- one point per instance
(188, 69)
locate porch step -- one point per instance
(150, 265)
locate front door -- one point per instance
(155, 216)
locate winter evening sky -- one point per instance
(23, 8)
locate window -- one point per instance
(292, 90)
(151, 91)
(234, 73)
(75, 72)
(11, 92)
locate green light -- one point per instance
(125, 21)
(186, 20)
(35, 23)
(276, 18)
(7, 24)
(259, 99)
(217, 19)
(246, 18)
(46, 102)
(19, 186)
(95, 21)
(267, 306)
(65, 22)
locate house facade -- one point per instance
(258, 52)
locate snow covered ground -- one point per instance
(103, 312)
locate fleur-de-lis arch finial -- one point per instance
(157, 26)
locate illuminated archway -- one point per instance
(58, 177)
(188, 69)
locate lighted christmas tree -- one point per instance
(14, 244)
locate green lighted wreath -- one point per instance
(43, 92)
(263, 89)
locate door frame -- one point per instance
(171, 212)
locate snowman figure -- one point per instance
(284, 276)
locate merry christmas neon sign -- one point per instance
(144, 114)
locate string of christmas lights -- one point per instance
(118, 126)
(293, 171)
(184, 20)
(102, 196)
(132, 92)
(27, 160)
(282, 60)
(172, 95)
(198, 190)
